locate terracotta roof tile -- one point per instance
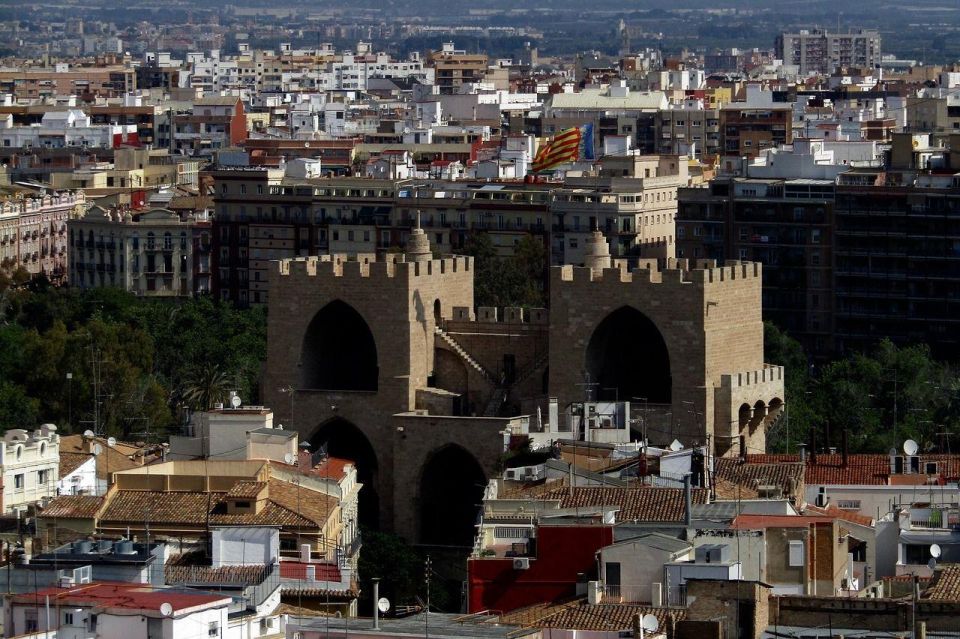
(246, 489)
(844, 515)
(580, 615)
(73, 507)
(69, 462)
(861, 469)
(646, 503)
(946, 587)
(736, 479)
(287, 506)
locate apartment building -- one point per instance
(817, 51)
(688, 129)
(33, 233)
(746, 130)
(454, 68)
(155, 253)
(87, 83)
(30, 465)
(786, 224)
(213, 123)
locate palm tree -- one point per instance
(205, 387)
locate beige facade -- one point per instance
(388, 361)
(33, 233)
(151, 254)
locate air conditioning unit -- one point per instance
(521, 563)
(511, 473)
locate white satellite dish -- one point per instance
(935, 551)
(289, 458)
(235, 401)
(88, 433)
(910, 447)
(166, 609)
(97, 449)
(676, 445)
(383, 604)
(649, 623)
(111, 442)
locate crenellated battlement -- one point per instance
(669, 271)
(490, 315)
(368, 265)
(769, 373)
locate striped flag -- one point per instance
(569, 145)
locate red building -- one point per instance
(562, 556)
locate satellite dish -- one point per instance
(235, 401)
(676, 445)
(166, 609)
(649, 623)
(289, 458)
(383, 604)
(88, 433)
(97, 449)
(935, 551)
(910, 447)
(111, 442)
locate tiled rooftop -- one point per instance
(861, 469)
(580, 615)
(73, 507)
(647, 503)
(287, 505)
(246, 490)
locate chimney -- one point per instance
(687, 501)
(304, 458)
(843, 450)
(802, 452)
(743, 448)
(813, 445)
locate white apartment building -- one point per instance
(63, 129)
(30, 463)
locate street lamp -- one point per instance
(70, 402)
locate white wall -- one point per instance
(82, 481)
(245, 546)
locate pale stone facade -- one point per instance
(30, 463)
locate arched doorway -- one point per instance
(627, 358)
(744, 415)
(339, 352)
(451, 492)
(343, 439)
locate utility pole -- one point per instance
(427, 570)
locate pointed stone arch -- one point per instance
(451, 489)
(627, 357)
(339, 351)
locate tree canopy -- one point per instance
(881, 397)
(149, 359)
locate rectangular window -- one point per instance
(796, 554)
(68, 618)
(18, 481)
(214, 629)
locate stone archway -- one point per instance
(341, 438)
(339, 352)
(627, 357)
(451, 492)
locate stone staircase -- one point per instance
(465, 356)
(497, 399)
(536, 365)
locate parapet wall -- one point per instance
(670, 271)
(769, 373)
(365, 265)
(510, 315)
